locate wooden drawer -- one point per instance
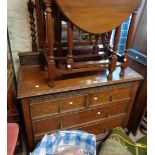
(104, 126)
(42, 109)
(57, 123)
(119, 107)
(110, 95)
(74, 119)
(96, 128)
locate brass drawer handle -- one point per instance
(87, 101)
(87, 105)
(70, 102)
(60, 108)
(105, 130)
(61, 125)
(107, 115)
(111, 98)
(69, 66)
(95, 98)
(98, 113)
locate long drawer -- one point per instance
(97, 128)
(104, 126)
(73, 119)
(57, 106)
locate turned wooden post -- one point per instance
(96, 47)
(50, 42)
(31, 7)
(114, 55)
(70, 46)
(90, 39)
(105, 37)
(128, 42)
(40, 17)
(59, 36)
(42, 41)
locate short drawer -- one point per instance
(104, 126)
(109, 95)
(78, 118)
(119, 107)
(57, 106)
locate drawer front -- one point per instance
(63, 122)
(94, 128)
(104, 126)
(119, 108)
(57, 106)
(109, 96)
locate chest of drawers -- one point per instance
(90, 103)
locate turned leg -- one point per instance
(105, 37)
(31, 7)
(60, 51)
(50, 42)
(96, 47)
(70, 46)
(128, 43)
(114, 55)
(59, 37)
(108, 40)
(43, 40)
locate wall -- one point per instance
(19, 28)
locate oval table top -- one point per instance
(97, 16)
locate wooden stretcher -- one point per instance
(95, 17)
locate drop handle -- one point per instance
(87, 105)
(111, 98)
(105, 130)
(70, 102)
(107, 115)
(61, 125)
(95, 98)
(60, 108)
(87, 102)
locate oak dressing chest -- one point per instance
(86, 102)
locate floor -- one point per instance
(137, 136)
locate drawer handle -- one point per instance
(111, 98)
(60, 108)
(70, 102)
(61, 126)
(87, 105)
(95, 98)
(107, 115)
(98, 113)
(87, 101)
(69, 66)
(105, 130)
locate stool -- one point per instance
(12, 137)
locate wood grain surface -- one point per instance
(33, 81)
(97, 16)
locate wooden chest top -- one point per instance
(32, 81)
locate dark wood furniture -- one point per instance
(138, 62)
(13, 116)
(88, 102)
(12, 110)
(82, 15)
